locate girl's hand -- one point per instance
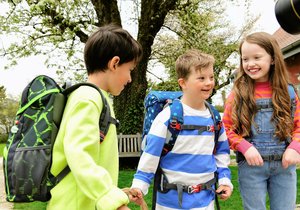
(253, 157)
(224, 192)
(290, 157)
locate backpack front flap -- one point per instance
(29, 145)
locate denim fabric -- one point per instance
(255, 182)
(262, 131)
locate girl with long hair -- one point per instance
(262, 121)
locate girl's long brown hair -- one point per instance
(244, 106)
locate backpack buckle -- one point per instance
(220, 124)
(175, 125)
(210, 128)
(102, 136)
(194, 189)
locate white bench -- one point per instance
(129, 145)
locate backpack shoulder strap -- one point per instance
(292, 93)
(174, 127)
(105, 118)
(217, 120)
(104, 121)
(174, 124)
(176, 115)
(217, 127)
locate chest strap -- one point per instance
(200, 128)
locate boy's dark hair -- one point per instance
(109, 41)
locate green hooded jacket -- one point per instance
(92, 182)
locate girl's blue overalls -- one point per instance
(256, 181)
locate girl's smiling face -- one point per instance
(256, 61)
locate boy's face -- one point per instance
(199, 84)
(122, 76)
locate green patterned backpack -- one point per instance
(27, 155)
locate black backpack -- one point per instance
(28, 153)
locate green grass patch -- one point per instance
(30, 206)
(125, 179)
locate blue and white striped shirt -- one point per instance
(192, 160)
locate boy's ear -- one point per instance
(181, 83)
(112, 64)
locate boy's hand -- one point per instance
(253, 157)
(290, 157)
(224, 192)
(135, 195)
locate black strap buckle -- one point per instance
(273, 157)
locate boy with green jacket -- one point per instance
(92, 182)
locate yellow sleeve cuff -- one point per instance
(112, 200)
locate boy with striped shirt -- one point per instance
(193, 161)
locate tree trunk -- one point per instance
(129, 106)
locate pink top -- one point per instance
(237, 142)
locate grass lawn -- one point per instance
(234, 202)
(125, 178)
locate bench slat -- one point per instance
(129, 145)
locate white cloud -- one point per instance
(16, 78)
